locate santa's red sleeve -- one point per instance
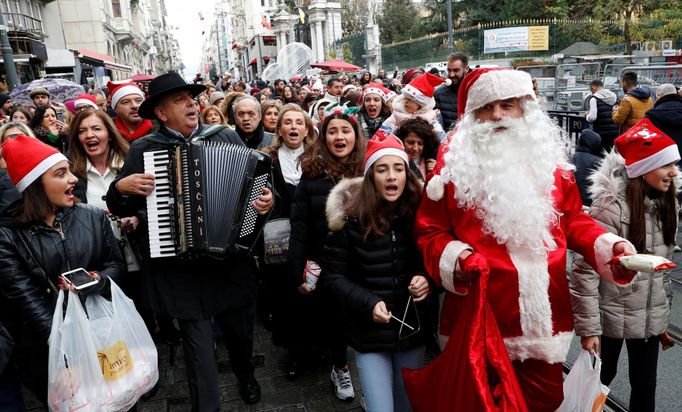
(583, 234)
(435, 237)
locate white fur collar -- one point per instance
(338, 197)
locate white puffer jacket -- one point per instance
(642, 308)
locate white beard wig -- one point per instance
(508, 175)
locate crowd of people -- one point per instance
(394, 191)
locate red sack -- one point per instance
(474, 371)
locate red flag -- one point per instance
(266, 23)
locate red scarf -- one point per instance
(142, 130)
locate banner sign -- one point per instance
(510, 39)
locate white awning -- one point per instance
(60, 58)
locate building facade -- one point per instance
(89, 41)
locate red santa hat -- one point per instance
(120, 90)
(373, 88)
(483, 86)
(422, 87)
(646, 148)
(27, 159)
(383, 144)
(85, 100)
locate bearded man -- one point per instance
(503, 196)
(126, 100)
(446, 95)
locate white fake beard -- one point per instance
(508, 176)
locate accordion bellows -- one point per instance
(202, 201)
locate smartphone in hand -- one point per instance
(79, 278)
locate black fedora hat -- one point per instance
(161, 86)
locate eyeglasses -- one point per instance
(406, 330)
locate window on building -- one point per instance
(116, 8)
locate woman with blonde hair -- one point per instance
(212, 115)
(294, 134)
(269, 110)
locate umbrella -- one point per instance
(339, 65)
(142, 77)
(60, 90)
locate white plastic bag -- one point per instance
(112, 343)
(583, 390)
(74, 379)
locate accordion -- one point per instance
(202, 199)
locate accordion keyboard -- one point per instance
(160, 204)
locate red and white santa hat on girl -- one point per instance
(483, 86)
(85, 100)
(646, 148)
(421, 89)
(374, 88)
(383, 144)
(27, 159)
(119, 91)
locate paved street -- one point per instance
(313, 391)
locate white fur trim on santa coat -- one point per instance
(535, 310)
(551, 349)
(603, 252)
(448, 263)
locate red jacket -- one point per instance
(528, 293)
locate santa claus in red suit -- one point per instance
(503, 195)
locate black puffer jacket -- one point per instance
(361, 272)
(8, 193)
(308, 224)
(667, 116)
(28, 299)
(446, 102)
(586, 160)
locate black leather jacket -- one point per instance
(27, 297)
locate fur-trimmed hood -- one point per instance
(609, 180)
(338, 197)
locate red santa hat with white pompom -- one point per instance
(421, 89)
(478, 88)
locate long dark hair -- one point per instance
(118, 146)
(375, 214)
(34, 205)
(319, 161)
(635, 192)
(39, 114)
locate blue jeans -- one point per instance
(381, 378)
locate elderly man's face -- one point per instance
(247, 115)
(499, 109)
(178, 112)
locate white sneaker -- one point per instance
(342, 384)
